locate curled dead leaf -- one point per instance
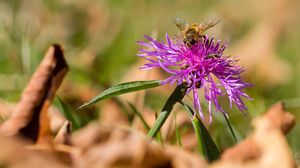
(278, 118)
(30, 115)
(13, 154)
(110, 146)
(64, 134)
(183, 159)
(266, 146)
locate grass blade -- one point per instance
(206, 144)
(68, 113)
(140, 116)
(129, 115)
(158, 135)
(178, 136)
(230, 128)
(175, 97)
(121, 89)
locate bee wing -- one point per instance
(209, 24)
(181, 24)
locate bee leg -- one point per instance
(212, 56)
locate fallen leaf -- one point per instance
(56, 118)
(280, 119)
(13, 154)
(90, 135)
(113, 146)
(30, 117)
(64, 134)
(184, 159)
(266, 146)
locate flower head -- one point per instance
(201, 65)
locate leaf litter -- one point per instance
(114, 145)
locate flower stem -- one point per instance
(176, 96)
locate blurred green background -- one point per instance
(99, 38)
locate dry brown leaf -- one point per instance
(266, 146)
(279, 118)
(90, 135)
(128, 151)
(64, 134)
(111, 146)
(14, 155)
(56, 118)
(30, 115)
(183, 159)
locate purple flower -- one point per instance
(202, 65)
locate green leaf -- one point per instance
(140, 116)
(175, 97)
(68, 113)
(122, 89)
(158, 135)
(206, 144)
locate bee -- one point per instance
(192, 33)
